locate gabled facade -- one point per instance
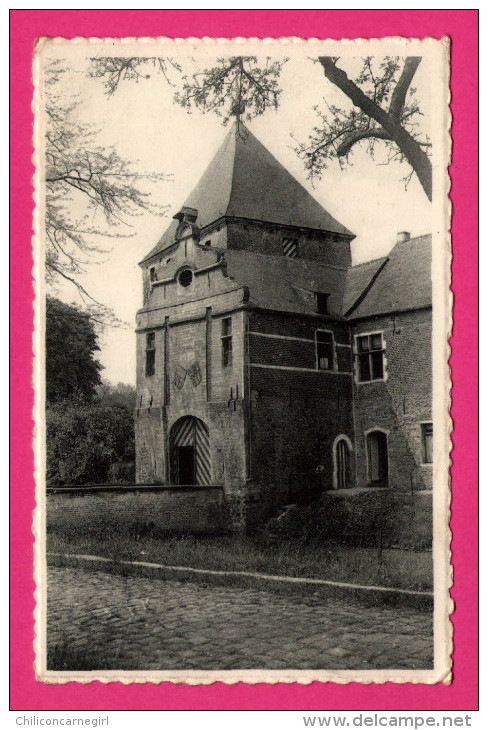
(266, 363)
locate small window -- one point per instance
(290, 247)
(186, 277)
(152, 273)
(324, 343)
(226, 339)
(370, 353)
(208, 243)
(322, 303)
(150, 353)
(427, 443)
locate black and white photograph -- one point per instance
(242, 271)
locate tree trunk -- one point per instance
(407, 145)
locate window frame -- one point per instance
(322, 302)
(427, 429)
(152, 274)
(184, 274)
(333, 350)
(371, 351)
(150, 364)
(226, 342)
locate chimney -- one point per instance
(403, 236)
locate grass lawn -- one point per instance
(292, 557)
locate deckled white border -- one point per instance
(438, 53)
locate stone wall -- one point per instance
(401, 402)
(111, 511)
(190, 377)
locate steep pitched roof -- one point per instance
(359, 278)
(244, 180)
(284, 284)
(403, 283)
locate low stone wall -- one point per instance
(136, 511)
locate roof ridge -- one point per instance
(415, 238)
(370, 261)
(367, 288)
(231, 137)
(398, 243)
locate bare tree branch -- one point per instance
(91, 193)
(391, 120)
(373, 133)
(399, 94)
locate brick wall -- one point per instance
(114, 511)
(266, 238)
(295, 325)
(295, 415)
(399, 404)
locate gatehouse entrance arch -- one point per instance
(190, 452)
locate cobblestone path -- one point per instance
(139, 623)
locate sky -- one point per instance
(145, 126)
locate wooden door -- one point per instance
(342, 464)
(186, 464)
(378, 457)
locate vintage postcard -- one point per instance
(243, 309)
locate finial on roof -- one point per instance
(237, 108)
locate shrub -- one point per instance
(85, 442)
(358, 520)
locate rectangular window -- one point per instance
(427, 443)
(152, 273)
(322, 303)
(324, 343)
(370, 353)
(150, 353)
(290, 247)
(226, 338)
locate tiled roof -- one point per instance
(359, 278)
(244, 180)
(403, 283)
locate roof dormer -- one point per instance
(187, 217)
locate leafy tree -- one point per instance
(89, 443)
(71, 345)
(382, 107)
(122, 394)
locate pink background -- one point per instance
(462, 27)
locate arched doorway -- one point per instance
(342, 459)
(190, 452)
(377, 443)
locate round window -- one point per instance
(186, 277)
